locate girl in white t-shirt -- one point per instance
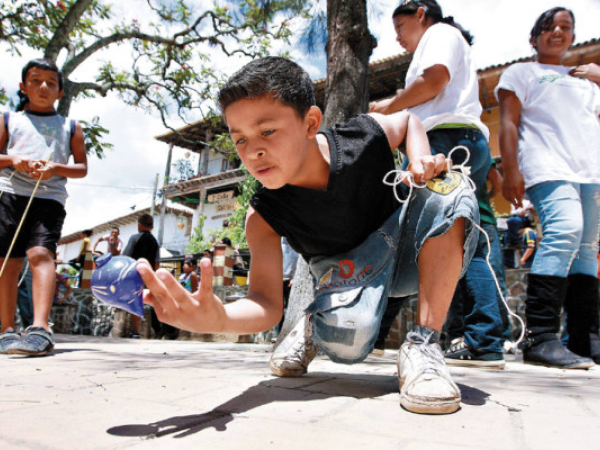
(441, 86)
(442, 90)
(550, 144)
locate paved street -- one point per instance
(100, 393)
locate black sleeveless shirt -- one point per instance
(355, 203)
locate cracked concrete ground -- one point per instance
(99, 393)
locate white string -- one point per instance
(37, 184)
(24, 273)
(400, 177)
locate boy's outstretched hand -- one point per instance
(200, 311)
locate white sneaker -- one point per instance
(292, 357)
(426, 385)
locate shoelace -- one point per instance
(399, 176)
(301, 349)
(432, 358)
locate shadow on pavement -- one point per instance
(472, 396)
(316, 386)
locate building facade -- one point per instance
(177, 230)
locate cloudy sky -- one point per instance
(124, 179)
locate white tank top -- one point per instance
(39, 136)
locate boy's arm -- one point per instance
(3, 138)
(433, 81)
(67, 285)
(20, 163)
(96, 244)
(76, 170)
(202, 311)
(513, 186)
(495, 178)
(406, 127)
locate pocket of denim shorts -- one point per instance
(331, 300)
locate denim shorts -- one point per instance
(352, 288)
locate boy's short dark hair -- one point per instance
(114, 227)
(44, 64)
(88, 232)
(280, 78)
(146, 220)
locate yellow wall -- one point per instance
(492, 119)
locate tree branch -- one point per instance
(60, 38)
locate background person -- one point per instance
(38, 143)
(114, 244)
(442, 90)
(549, 139)
(144, 245)
(189, 278)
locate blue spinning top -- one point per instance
(117, 282)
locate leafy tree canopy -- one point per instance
(171, 67)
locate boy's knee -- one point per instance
(344, 341)
(38, 255)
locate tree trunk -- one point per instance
(349, 47)
(64, 104)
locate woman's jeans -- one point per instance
(444, 140)
(477, 311)
(570, 217)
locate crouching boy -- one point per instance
(323, 191)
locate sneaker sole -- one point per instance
(499, 364)
(427, 407)
(21, 352)
(583, 366)
(287, 373)
(447, 406)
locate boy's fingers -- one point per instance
(176, 291)
(206, 280)
(154, 285)
(441, 164)
(147, 297)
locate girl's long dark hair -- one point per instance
(434, 11)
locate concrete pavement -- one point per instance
(101, 393)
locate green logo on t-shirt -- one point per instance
(551, 78)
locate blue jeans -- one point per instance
(444, 140)
(352, 288)
(570, 218)
(477, 311)
(514, 225)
